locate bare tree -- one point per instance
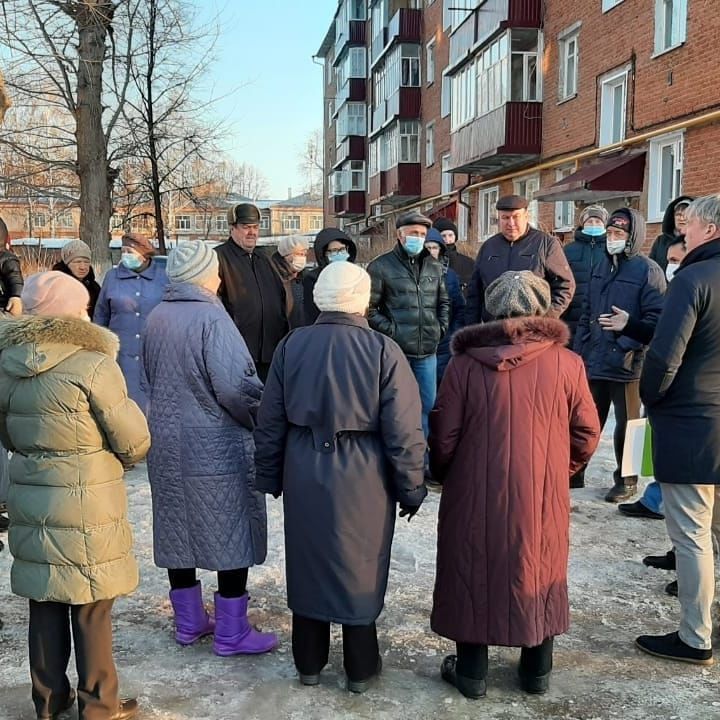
(310, 163)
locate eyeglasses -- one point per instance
(336, 252)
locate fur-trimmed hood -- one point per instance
(34, 344)
(507, 344)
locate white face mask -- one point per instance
(298, 262)
(670, 270)
(616, 247)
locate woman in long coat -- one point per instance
(339, 435)
(204, 394)
(514, 418)
(129, 292)
(66, 415)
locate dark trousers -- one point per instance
(625, 400)
(472, 660)
(311, 647)
(231, 583)
(262, 370)
(49, 643)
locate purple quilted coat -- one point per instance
(203, 395)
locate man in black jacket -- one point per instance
(409, 303)
(519, 247)
(461, 264)
(250, 289)
(673, 227)
(680, 387)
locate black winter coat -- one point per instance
(658, 251)
(409, 301)
(11, 279)
(680, 384)
(583, 255)
(461, 264)
(635, 284)
(254, 296)
(294, 290)
(91, 285)
(536, 251)
(339, 434)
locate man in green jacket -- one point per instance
(409, 303)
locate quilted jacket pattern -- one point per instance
(66, 415)
(203, 396)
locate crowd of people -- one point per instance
(348, 393)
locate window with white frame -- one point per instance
(357, 176)
(613, 102)
(492, 76)
(609, 4)
(352, 120)
(409, 141)
(564, 209)
(410, 66)
(264, 222)
(456, 11)
(290, 222)
(446, 96)
(373, 158)
(670, 24)
(666, 166)
(446, 182)
(527, 187)
(182, 222)
(569, 46)
(65, 220)
(464, 96)
(221, 223)
(316, 222)
(200, 222)
(487, 225)
(430, 144)
(430, 62)
(525, 73)
(463, 221)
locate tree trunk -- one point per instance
(93, 18)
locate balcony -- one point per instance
(404, 27)
(396, 185)
(350, 203)
(486, 20)
(353, 33)
(403, 104)
(505, 138)
(352, 148)
(354, 90)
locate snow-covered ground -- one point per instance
(598, 672)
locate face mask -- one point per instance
(298, 262)
(414, 245)
(594, 230)
(342, 256)
(616, 247)
(132, 262)
(670, 270)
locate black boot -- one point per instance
(623, 489)
(661, 562)
(577, 480)
(360, 686)
(471, 688)
(536, 667)
(672, 588)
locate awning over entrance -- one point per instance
(446, 209)
(619, 176)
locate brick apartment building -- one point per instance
(567, 102)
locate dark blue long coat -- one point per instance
(339, 434)
(204, 393)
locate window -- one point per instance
(488, 214)
(464, 105)
(351, 121)
(221, 223)
(182, 222)
(525, 76)
(446, 96)
(140, 222)
(565, 209)
(374, 158)
(613, 100)
(463, 220)
(409, 141)
(379, 18)
(446, 182)
(430, 144)
(609, 4)
(568, 45)
(410, 66)
(357, 175)
(331, 111)
(264, 222)
(316, 222)
(65, 220)
(40, 219)
(456, 11)
(290, 222)
(666, 165)
(430, 62)
(527, 187)
(200, 222)
(670, 24)
(492, 76)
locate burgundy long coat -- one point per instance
(514, 419)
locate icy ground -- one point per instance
(598, 673)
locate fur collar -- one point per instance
(513, 331)
(37, 329)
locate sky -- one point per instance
(271, 91)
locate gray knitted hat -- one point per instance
(517, 294)
(192, 261)
(73, 250)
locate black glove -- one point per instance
(408, 511)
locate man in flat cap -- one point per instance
(518, 246)
(250, 289)
(409, 303)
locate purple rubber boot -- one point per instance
(234, 635)
(191, 619)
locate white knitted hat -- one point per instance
(342, 287)
(192, 261)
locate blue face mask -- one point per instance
(132, 262)
(414, 245)
(342, 256)
(594, 230)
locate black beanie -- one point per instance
(442, 224)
